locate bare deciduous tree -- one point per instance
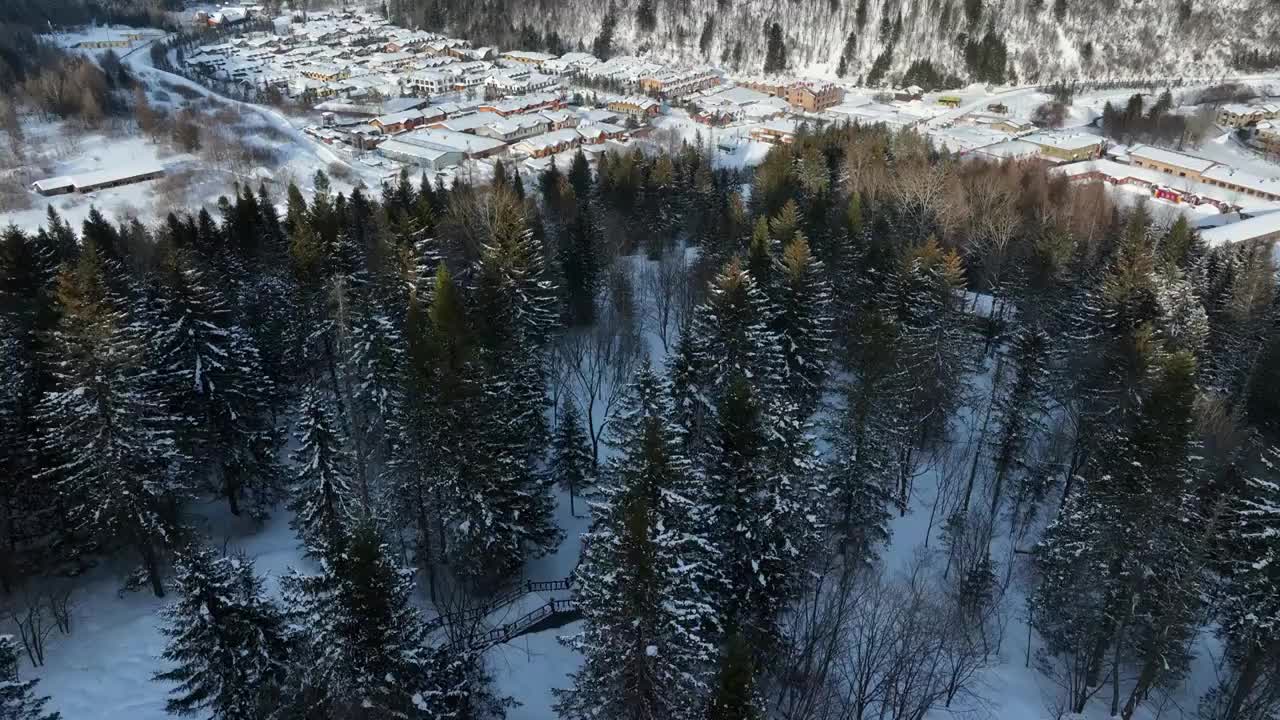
(33, 628)
(598, 361)
(666, 282)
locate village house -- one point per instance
(549, 143)
(814, 96)
(641, 108)
(1259, 229)
(673, 84)
(560, 119)
(396, 123)
(772, 87)
(596, 133)
(521, 104)
(429, 82)
(1269, 139)
(569, 63)
(1066, 147)
(1169, 162)
(1010, 125)
(775, 132)
(912, 92)
(1239, 115)
(324, 73)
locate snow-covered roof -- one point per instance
(103, 177)
(1009, 149)
(1263, 226)
(450, 140)
(528, 56)
(1170, 157)
(1064, 141)
(62, 182)
(430, 153)
(1244, 179)
(736, 95)
(552, 139)
(784, 126)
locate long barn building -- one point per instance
(102, 180)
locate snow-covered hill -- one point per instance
(1045, 39)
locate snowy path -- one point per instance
(318, 155)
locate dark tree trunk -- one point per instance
(152, 564)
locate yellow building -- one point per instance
(1170, 162)
(1064, 147)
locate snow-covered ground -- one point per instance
(193, 180)
(103, 668)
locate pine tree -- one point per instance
(210, 374)
(426, 419)
(644, 576)
(1120, 569)
(804, 322)
(580, 267)
(862, 470)
(17, 699)
(121, 475)
(1248, 605)
(755, 457)
(934, 338)
(571, 458)
(361, 644)
(1019, 411)
(504, 503)
(321, 495)
(227, 640)
(730, 333)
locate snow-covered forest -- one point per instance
(986, 40)
(752, 382)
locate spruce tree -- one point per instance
(211, 377)
(934, 340)
(321, 494)
(804, 323)
(226, 638)
(122, 473)
(361, 649)
(754, 456)
(1019, 412)
(571, 459)
(435, 383)
(579, 266)
(1249, 597)
(18, 700)
(644, 576)
(1104, 597)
